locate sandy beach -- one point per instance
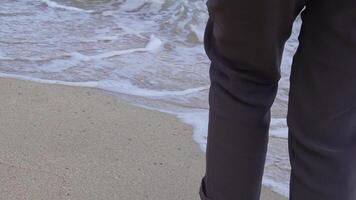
(60, 142)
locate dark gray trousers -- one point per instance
(244, 40)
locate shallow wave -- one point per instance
(151, 46)
(281, 188)
(279, 128)
(124, 87)
(54, 4)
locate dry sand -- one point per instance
(60, 142)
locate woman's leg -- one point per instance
(322, 104)
(244, 41)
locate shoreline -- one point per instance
(49, 120)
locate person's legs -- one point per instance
(244, 41)
(322, 104)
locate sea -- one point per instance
(147, 52)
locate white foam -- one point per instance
(57, 5)
(281, 188)
(123, 87)
(155, 5)
(198, 119)
(107, 38)
(152, 46)
(199, 33)
(279, 128)
(126, 87)
(133, 5)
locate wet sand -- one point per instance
(60, 142)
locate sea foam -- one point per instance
(281, 188)
(60, 6)
(279, 128)
(153, 45)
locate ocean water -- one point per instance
(148, 52)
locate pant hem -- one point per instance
(202, 191)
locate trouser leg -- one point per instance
(244, 41)
(322, 104)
